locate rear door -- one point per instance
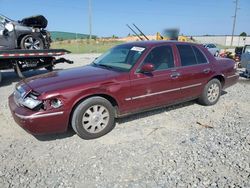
(156, 88)
(194, 71)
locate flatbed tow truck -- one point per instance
(25, 60)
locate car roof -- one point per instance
(150, 43)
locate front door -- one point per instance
(158, 87)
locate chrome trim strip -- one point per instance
(128, 99)
(194, 85)
(161, 92)
(232, 76)
(152, 94)
(34, 116)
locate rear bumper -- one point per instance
(38, 123)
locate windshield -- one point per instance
(121, 57)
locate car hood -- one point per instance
(86, 76)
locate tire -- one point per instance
(30, 42)
(93, 118)
(216, 54)
(211, 93)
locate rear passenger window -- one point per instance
(199, 56)
(187, 55)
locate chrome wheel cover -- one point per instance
(213, 92)
(31, 43)
(95, 119)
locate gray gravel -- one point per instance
(185, 145)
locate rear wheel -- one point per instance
(93, 118)
(211, 93)
(30, 42)
(0, 77)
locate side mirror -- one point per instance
(147, 68)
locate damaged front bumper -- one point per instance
(37, 122)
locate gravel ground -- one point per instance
(185, 145)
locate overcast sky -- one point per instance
(192, 17)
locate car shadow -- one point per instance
(9, 76)
(154, 112)
(51, 137)
(223, 92)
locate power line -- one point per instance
(234, 22)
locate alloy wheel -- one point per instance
(32, 44)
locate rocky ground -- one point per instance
(185, 145)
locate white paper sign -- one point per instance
(138, 49)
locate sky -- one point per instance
(109, 17)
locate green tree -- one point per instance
(243, 34)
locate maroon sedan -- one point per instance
(129, 78)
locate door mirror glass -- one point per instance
(147, 68)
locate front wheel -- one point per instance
(30, 42)
(211, 93)
(216, 54)
(93, 118)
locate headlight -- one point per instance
(9, 27)
(31, 103)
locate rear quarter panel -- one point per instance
(227, 68)
(222, 67)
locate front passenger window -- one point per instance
(161, 57)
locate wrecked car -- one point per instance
(29, 33)
(129, 78)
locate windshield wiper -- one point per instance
(103, 65)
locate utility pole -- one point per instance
(90, 20)
(234, 22)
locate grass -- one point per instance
(83, 46)
(59, 36)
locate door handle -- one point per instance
(175, 75)
(206, 70)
